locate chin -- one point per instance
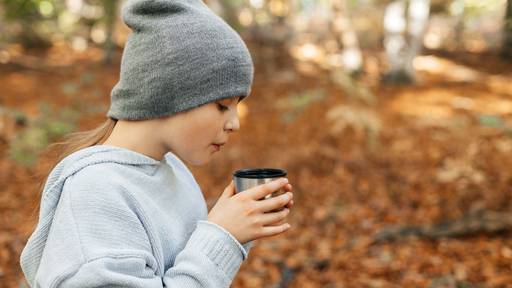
(189, 159)
(197, 162)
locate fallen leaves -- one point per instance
(420, 170)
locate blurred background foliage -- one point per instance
(38, 23)
(334, 36)
(391, 113)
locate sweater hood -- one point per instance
(73, 163)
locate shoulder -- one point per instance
(102, 186)
(102, 175)
(106, 215)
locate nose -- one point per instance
(233, 124)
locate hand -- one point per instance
(287, 188)
(246, 217)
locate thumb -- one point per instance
(229, 191)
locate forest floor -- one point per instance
(362, 157)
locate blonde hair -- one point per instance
(72, 143)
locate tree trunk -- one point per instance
(401, 49)
(347, 38)
(110, 7)
(419, 11)
(395, 43)
(460, 16)
(507, 32)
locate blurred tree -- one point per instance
(401, 49)
(228, 10)
(346, 37)
(95, 22)
(269, 23)
(458, 10)
(36, 23)
(507, 32)
(26, 13)
(110, 7)
(265, 23)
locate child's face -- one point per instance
(191, 134)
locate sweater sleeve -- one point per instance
(210, 259)
(213, 248)
(98, 240)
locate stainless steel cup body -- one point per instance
(247, 178)
(243, 184)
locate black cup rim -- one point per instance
(260, 173)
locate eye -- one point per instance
(222, 107)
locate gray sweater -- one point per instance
(112, 217)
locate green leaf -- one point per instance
(86, 78)
(491, 121)
(69, 88)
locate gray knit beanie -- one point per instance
(180, 55)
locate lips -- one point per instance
(216, 147)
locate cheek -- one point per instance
(200, 134)
(198, 129)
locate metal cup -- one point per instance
(247, 178)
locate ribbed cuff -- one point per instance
(244, 247)
(247, 246)
(219, 246)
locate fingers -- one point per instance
(229, 190)
(273, 230)
(274, 202)
(263, 190)
(281, 222)
(273, 218)
(289, 188)
(290, 204)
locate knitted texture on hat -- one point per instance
(180, 55)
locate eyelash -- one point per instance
(222, 107)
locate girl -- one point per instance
(123, 210)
